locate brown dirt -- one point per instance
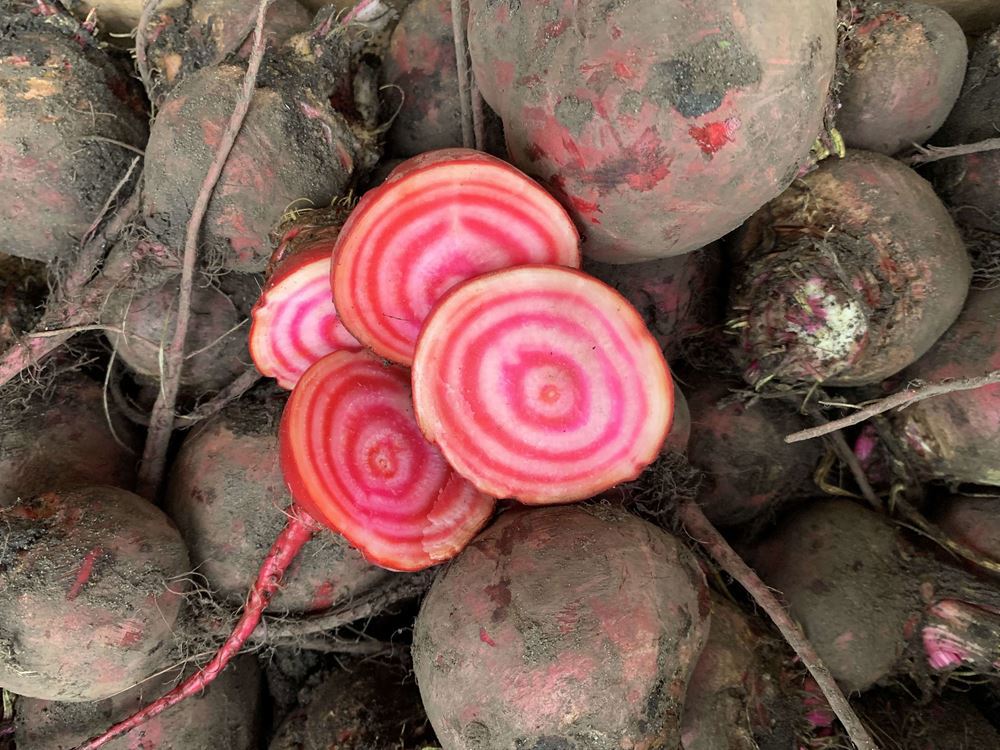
(89, 590)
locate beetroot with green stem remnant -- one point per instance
(587, 621)
(847, 277)
(294, 321)
(541, 383)
(439, 219)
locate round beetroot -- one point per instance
(974, 522)
(565, 627)
(906, 63)
(662, 124)
(228, 498)
(89, 593)
(227, 716)
(848, 276)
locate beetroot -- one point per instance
(227, 716)
(90, 588)
(971, 183)
(869, 604)
(656, 123)
(848, 276)
(906, 64)
(974, 15)
(569, 627)
(362, 706)
(541, 383)
(61, 440)
(438, 219)
(57, 167)
(377, 481)
(953, 436)
(293, 146)
(294, 320)
(749, 469)
(973, 522)
(678, 297)
(421, 62)
(141, 326)
(228, 497)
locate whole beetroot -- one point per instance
(749, 469)
(869, 603)
(89, 593)
(228, 497)
(953, 436)
(293, 146)
(974, 522)
(662, 124)
(848, 276)
(906, 63)
(227, 716)
(61, 100)
(568, 627)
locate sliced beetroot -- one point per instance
(848, 276)
(906, 62)
(294, 321)
(438, 219)
(567, 627)
(541, 383)
(353, 457)
(661, 125)
(228, 498)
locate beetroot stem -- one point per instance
(299, 530)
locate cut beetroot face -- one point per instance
(294, 321)
(439, 219)
(541, 383)
(353, 457)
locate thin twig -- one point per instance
(702, 531)
(161, 422)
(846, 455)
(897, 400)
(230, 393)
(928, 154)
(478, 116)
(141, 61)
(462, 63)
(114, 142)
(90, 254)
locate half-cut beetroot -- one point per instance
(354, 458)
(439, 219)
(294, 321)
(541, 383)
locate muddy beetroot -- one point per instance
(905, 64)
(90, 588)
(439, 219)
(353, 456)
(294, 321)
(656, 123)
(848, 277)
(541, 383)
(583, 650)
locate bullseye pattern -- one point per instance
(294, 321)
(439, 219)
(541, 383)
(355, 459)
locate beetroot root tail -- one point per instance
(299, 530)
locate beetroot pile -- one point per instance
(335, 404)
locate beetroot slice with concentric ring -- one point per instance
(440, 218)
(354, 458)
(541, 383)
(294, 321)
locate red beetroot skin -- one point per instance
(228, 497)
(906, 66)
(954, 436)
(661, 125)
(530, 639)
(974, 522)
(90, 590)
(227, 716)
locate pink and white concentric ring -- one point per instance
(354, 458)
(294, 321)
(541, 383)
(439, 219)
